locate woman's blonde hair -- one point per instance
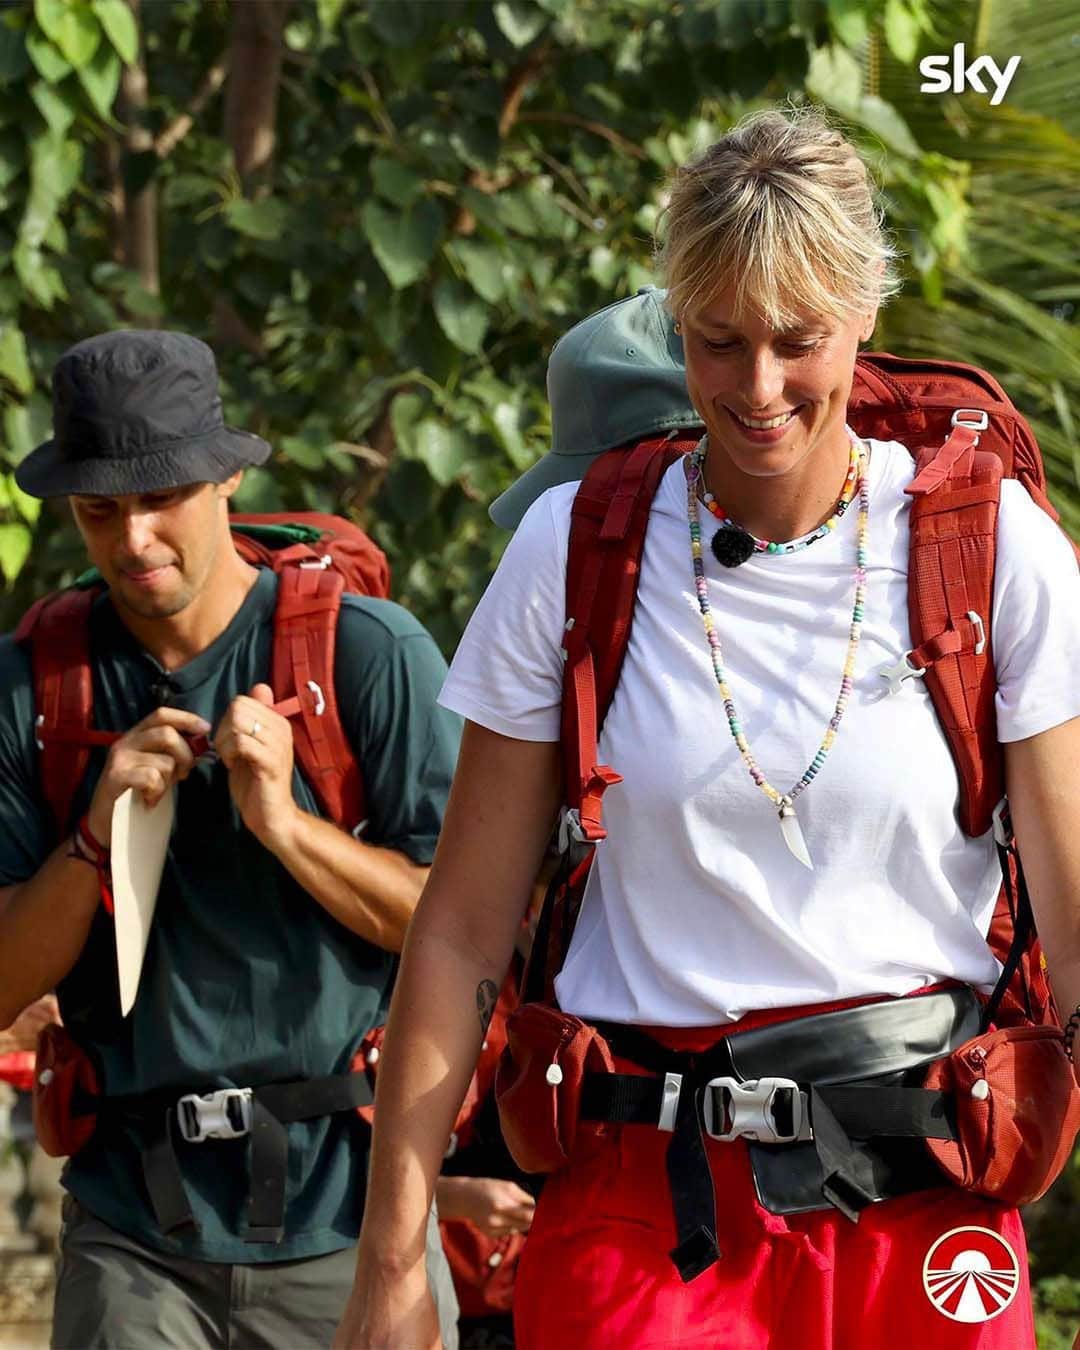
(782, 209)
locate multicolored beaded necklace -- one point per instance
(789, 823)
(737, 544)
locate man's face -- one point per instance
(769, 397)
(156, 550)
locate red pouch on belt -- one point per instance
(63, 1069)
(1017, 1112)
(539, 1080)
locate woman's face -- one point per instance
(770, 398)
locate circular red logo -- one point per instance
(971, 1274)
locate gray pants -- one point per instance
(112, 1293)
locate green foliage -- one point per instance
(454, 183)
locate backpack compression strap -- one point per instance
(956, 492)
(57, 628)
(607, 535)
(302, 676)
(305, 633)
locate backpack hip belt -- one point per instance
(831, 1105)
(259, 1114)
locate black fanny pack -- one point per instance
(831, 1107)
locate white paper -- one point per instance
(140, 840)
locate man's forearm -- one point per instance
(371, 890)
(44, 924)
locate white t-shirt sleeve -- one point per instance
(507, 671)
(1036, 620)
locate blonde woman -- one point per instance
(702, 918)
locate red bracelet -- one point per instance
(87, 849)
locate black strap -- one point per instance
(1023, 931)
(272, 1108)
(161, 1172)
(692, 1196)
(312, 1097)
(268, 1164)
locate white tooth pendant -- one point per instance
(792, 832)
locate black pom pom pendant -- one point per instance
(732, 546)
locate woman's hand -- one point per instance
(495, 1207)
(389, 1311)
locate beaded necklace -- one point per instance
(789, 822)
(728, 556)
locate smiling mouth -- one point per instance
(764, 423)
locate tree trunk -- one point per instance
(140, 208)
(255, 56)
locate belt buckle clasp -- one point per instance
(748, 1110)
(224, 1114)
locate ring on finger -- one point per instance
(254, 730)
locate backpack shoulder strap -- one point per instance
(302, 677)
(57, 630)
(956, 493)
(607, 535)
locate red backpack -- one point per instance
(965, 436)
(1015, 1125)
(317, 559)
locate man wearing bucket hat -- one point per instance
(274, 936)
(615, 377)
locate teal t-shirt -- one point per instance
(247, 980)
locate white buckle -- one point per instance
(566, 628)
(901, 671)
(320, 701)
(322, 563)
(978, 419)
(749, 1110)
(980, 632)
(224, 1114)
(669, 1102)
(1002, 818)
(570, 830)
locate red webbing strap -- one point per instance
(956, 495)
(607, 534)
(302, 675)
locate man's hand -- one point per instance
(23, 1032)
(256, 746)
(495, 1207)
(150, 758)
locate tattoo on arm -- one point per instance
(487, 995)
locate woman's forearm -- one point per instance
(456, 953)
(432, 1041)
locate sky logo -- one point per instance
(942, 73)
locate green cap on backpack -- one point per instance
(617, 376)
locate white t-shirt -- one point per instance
(695, 912)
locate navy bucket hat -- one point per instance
(136, 411)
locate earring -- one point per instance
(678, 327)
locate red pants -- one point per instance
(595, 1273)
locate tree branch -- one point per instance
(514, 91)
(597, 129)
(178, 128)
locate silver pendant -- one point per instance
(792, 832)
